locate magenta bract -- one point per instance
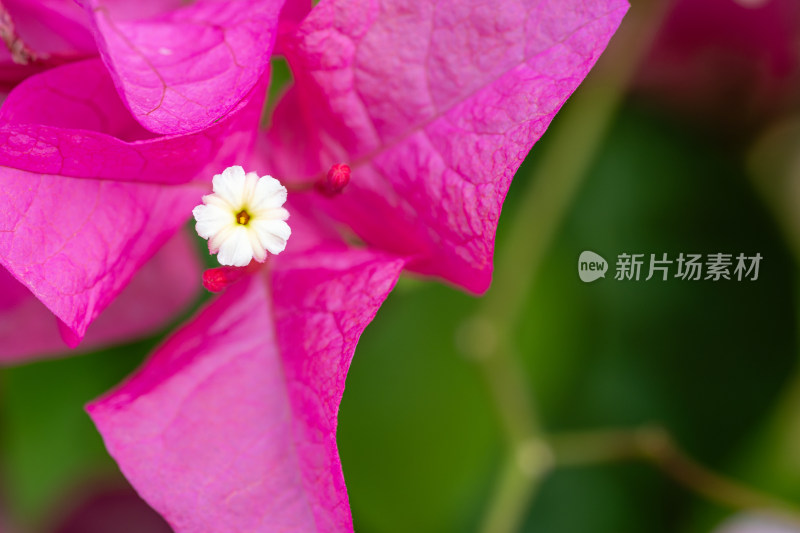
(182, 70)
(231, 424)
(163, 287)
(433, 105)
(89, 195)
(233, 421)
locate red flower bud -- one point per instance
(337, 179)
(218, 279)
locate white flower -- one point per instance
(243, 219)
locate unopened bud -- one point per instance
(219, 279)
(337, 179)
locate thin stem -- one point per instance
(574, 141)
(300, 186)
(656, 446)
(517, 485)
(530, 458)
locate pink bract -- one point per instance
(163, 287)
(183, 70)
(232, 423)
(89, 196)
(40, 35)
(433, 105)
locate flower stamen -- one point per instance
(242, 218)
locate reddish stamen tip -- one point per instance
(337, 179)
(218, 279)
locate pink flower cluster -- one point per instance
(116, 116)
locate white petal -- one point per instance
(211, 220)
(250, 181)
(230, 186)
(236, 250)
(268, 193)
(216, 241)
(271, 213)
(213, 199)
(259, 253)
(272, 234)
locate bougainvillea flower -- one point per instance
(88, 193)
(731, 63)
(82, 208)
(231, 424)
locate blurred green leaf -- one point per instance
(417, 433)
(706, 359)
(49, 444)
(418, 438)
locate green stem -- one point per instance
(574, 140)
(655, 445)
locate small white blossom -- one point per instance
(243, 219)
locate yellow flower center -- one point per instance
(242, 217)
